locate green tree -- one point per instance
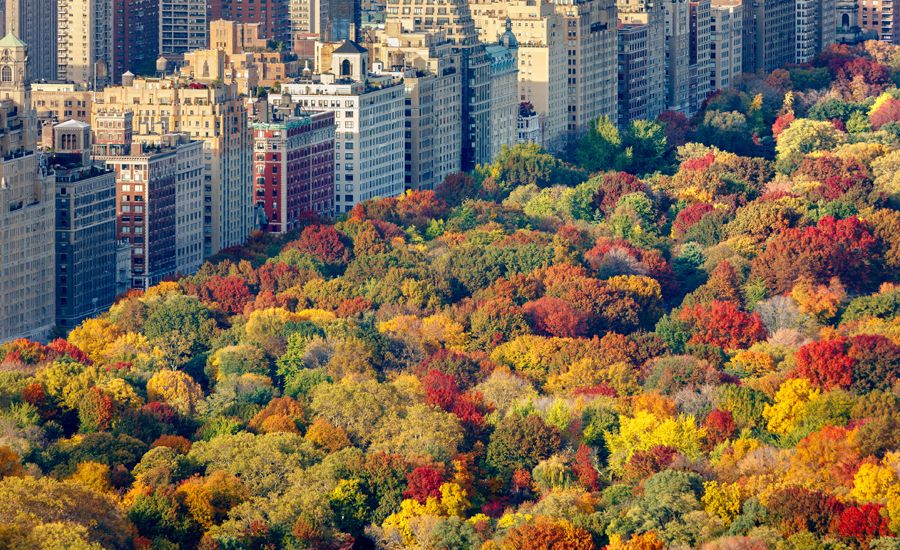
(804, 136)
(180, 326)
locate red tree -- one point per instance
(877, 362)
(689, 216)
(423, 482)
(440, 389)
(889, 111)
(825, 364)
(231, 293)
(722, 324)
(781, 124)
(584, 468)
(719, 426)
(556, 317)
(324, 242)
(862, 523)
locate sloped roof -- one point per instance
(350, 46)
(11, 41)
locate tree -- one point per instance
(181, 326)
(556, 317)
(825, 364)
(521, 443)
(601, 148)
(423, 482)
(876, 363)
(419, 431)
(175, 388)
(862, 523)
(547, 534)
(349, 504)
(723, 324)
(804, 136)
(323, 242)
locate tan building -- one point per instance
(27, 210)
(217, 65)
(542, 58)
(208, 111)
(591, 61)
(233, 37)
(369, 125)
(430, 70)
(34, 22)
(84, 41)
(245, 56)
(504, 70)
(727, 50)
(642, 60)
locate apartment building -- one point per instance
(504, 109)
(727, 44)
(293, 167)
(591, 61)
(85, 227)
(270, 15)
(135, 37)
(159, 199)
(880, 19)
(209, 111)
(542, 58)
(769, 35)
(34, 22)
(85, 41)
(26, 231)
(56, 102)
(815, 27)
(701, 65)
(642, 60)
(183, 26)
(369, 120)
(430, 70)
(455, 19)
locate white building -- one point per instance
(816, 27)
(369, 120)
(84, 40)
(727, 45)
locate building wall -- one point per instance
(504, 97)
(84, 39)
(369, 137)
(653, 15)
(769, 35)
(678, 36)
(183, 26)
(214, 114)
(591, 61)
(727, 50)
(272, 15)
(294, 170)
(35, 23)
(633, 89)
(880, 18)
(189, 207)
(85, 244)
(135, 37)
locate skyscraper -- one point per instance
(85, 41)
(769, 35)
(135, 37)
(34, 22)
(701, 66)
(642, 83)
(816, 27)
(727, 49)
(183, 26)
(272, 16)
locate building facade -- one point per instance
(727, 43)
(34, 22)
(85, 227)
(85, 41)
(879, 19)
(815, 28)
(504, 70)
(591, 62)
(209, 111)
(293, 167)
(270, 15)
(769, 35)
(429, 67)
(701, 65)
(645, 95)
(678, 56)
(183, 26)
(135, 37)
(369, 120)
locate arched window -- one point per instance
(205, 69)
(6, 74)
(345, 67)
(845, 20)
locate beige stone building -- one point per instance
(727, 43)
(504, 70)
(34, 22)
(84, 41)
(209, 111)
(27, 211)
(542, 58)
(430, 70)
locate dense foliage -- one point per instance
(685, 335)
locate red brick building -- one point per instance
(293, 169)
(272, 15)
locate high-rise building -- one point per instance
(847, 21)
(158, 196)
(183, 26)
(816, 27)
(591, 61)
(542, 57)
(678, 55)
(701, 65)
(294, 168)
(209, 111)
(727, 51)
(455, 19)
(85, 41)
(504, 71)
(369, 134)
(880, 18)
(642, 87)
(634, 83)
(135, 37)
(768, 35)
(34, 22)
(308, 19)
(26, 209)
(429, 67)
(85, 227)
(345, 19)
(271, 15)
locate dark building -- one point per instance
(346, 19)
(769, 35)
(135, 37)
(272, 15)
(85, 227)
